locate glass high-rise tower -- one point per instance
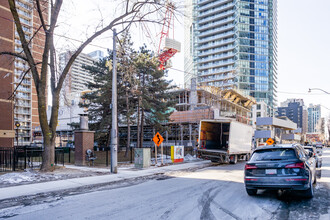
(233, 44)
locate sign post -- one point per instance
(156, 162)
(158, 139)
(17, 124)
(162, 153)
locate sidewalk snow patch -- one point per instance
(18, 177)
(188, 157)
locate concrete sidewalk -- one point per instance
(123, 174)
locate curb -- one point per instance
(86, 183)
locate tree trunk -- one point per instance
(49, 131)
(48, 154)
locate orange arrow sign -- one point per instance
(158, 139)
(270, 141)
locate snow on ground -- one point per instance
(188, 157)
(167, 159)
(17, 177)
(30, 176)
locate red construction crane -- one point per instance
(171, 46)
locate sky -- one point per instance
(303, 51)
(303, 43)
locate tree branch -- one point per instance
(52, 66)
(13, 93)
(43, 24)
(18, 55)
(25, 45)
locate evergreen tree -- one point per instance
(142, 92)
(98, 100)
(154, 99)
(126, 85)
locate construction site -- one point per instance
(193, 105)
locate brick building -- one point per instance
(6, 76)
(23, 106)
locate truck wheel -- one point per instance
(233, 159)
(251, 192)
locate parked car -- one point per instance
(317, 157)
(282, 167)
(319, 149)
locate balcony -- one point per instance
(21, 89)
(216, 37)
(210, 5)
(23, 97)
(215, 51)
(215, 71)
(22, 112)
(215, 64)
(216, 57)
(217, 77)
(203, 12)
(22, 104)
(215, 17)
(216, 30)
(220, 22)
(215, 44)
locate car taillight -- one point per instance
(249, 167)
(294, 179)
(295, 165)
(250, 179)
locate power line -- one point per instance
(94, 45)
(297, 93)
(59, 35)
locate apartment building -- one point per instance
(77, 78)
(314, 118)
(233, 44)
(24, 110)
(295, 110)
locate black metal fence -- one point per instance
(22, 157)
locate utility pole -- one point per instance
(114, 133)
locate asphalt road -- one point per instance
(211, 193)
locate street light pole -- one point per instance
(114, 134)
(17, 124)
(310, 90)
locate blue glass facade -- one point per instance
(314, 117)
(256, 49)
(236, 45)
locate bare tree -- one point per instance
(135, 11)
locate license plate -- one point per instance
(271, 171)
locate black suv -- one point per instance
(284, 166)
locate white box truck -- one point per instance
(224, 140)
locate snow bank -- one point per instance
(188, 157)
(18, 177)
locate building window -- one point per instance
(258, 106)
(258, 114)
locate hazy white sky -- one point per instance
(303, 44)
